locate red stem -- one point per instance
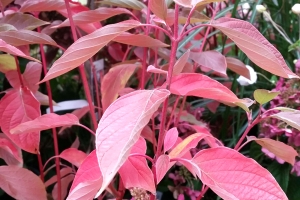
(145, 52)
(172, 113)
(81, 70)
(142, 155)
(174, 47)
(54, 132)
(41, 167)
(19, 72)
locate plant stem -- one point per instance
(174, 47)
(19, 72)
(54, 132)
(81, 70)
(41, 167)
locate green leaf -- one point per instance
(281, 173)
(294, 46)
(264, 96)
(293, 188)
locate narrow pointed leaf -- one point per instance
(233, 176)
(114, 81)
(7, 27)
(238, 67)
(120, 128)
(213, 60)
(292, 118)
(279, 149)
(254, 45)
(87, 46)
(133, 4)
(199, 85)
(11, 116)
(155, 70)
(25, 37)
(170, 139)
(180, 63)
(14, 51)
(264, 96)
(22, 21)
(42, 123)
(42, 5)
(90, 16)
(140, 175)
(162, 167)
(159, 8)
(139, 40)
(88, 179)
(21, 183)
(9, 153)
(74, 156)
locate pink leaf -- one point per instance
(114, 81)
(116, 52)
(42, 5)
(180, 63)
(159, 8)
(88, 179)
(188, 85)
(63, 172)
(79, 113)
(31, 76)
(90, 16)
(276, 147)
(14, 51)
(162, 167)
(42, 123)
(5, 2)
(139, 40)
(233, 176)
(9, 153)
(254, 45)
(170, 139)
(121, 126)
(65, 182)
(24, 37)
(86, 47)
(21, 183)
(22, 21)
(213, 60)
(147, 133)
(140, 174)
(12, 115)
(74, 156)
(238, 67)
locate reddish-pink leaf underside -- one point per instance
(238, 67)
(192, 84)
(9, 153)
(31, 76)
(84, 48)
(213, 60)
(139, 40)
(43, 123)
(181, 62)
(16, 107)
(120, 128)
(22, 21)
(233, 176)
(24, 37)
(65, 183)
(21, 183)
(90, 16)
(281, 150)
(147, 133)
(159, 8)
(140, 175)
(254, 45)
(114, 81)
(162, 167)
(5, 2)
(42, 5)
(74, 156)
(88, 179)
(170, 139)
(14, 51)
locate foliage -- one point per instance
(165, 115)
